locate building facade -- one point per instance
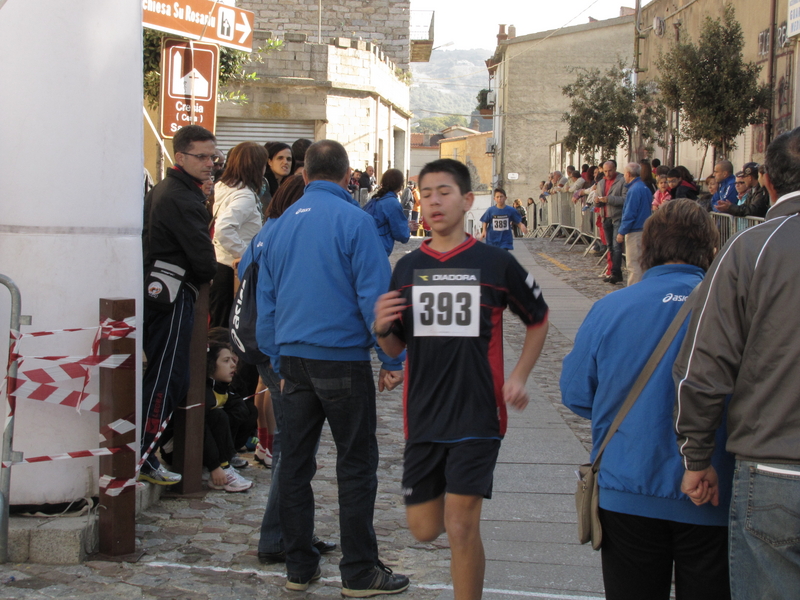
(527, 76)
(471, 150)
(663, 22)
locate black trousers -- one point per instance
(220, 297)
(217, 440)
(638, 554)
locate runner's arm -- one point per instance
(514, 393)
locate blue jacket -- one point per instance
(641, 469)
(391, 221)
(637, 207)
(321, 268)
(726, 191)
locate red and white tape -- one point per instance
(68, 455)
(114, 486)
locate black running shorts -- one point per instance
(433, 468)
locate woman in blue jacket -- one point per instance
(388, 212)
(649, 526)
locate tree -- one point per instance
(606, 109)
(232, 68)
(437, 124)
(714, 90)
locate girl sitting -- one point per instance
(218, 448)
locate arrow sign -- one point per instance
(202, 20)
(245, 28)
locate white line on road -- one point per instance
(169, 565)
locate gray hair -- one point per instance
(634, 169)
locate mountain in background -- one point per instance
(448, 85)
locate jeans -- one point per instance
(765, 531)
(343, 392)
(271, 540)
(167, 334)
(615, 248)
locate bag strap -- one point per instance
(643, 378)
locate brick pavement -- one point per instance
(205, 548)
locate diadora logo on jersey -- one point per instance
(447, 276)
(461, 277)
(302, 210)
(674, 298)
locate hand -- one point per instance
(723, 206)
(601, 199)
(218, 476)
(701, 486)
(235, 264)
(388, 308)
(282, 382)
(514, 394)
(620, 238)
(388, 380)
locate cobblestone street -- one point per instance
(205, 548)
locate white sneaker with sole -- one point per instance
(234, 483)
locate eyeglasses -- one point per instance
(204, 157)
(741, 183)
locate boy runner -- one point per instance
(446, 307)
(497, 222)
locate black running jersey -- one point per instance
(453, 330)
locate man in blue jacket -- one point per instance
(634, 213)
(321, 270)
(723, 173)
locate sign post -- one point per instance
(189, 76)
(203, 20)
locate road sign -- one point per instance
(188, 85)
(202, 20)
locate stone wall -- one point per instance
(382, 22)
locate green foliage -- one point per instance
(606, 109)
(437, 124)
(233, 66)
(716, 92)
(481, 98)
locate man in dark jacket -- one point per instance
(756, 202)
(175, 239)
(738, 362)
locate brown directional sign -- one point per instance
(189, 72)
(202, 20)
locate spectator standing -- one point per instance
(407, 200)
(388, 214)
(175, 234)
(279, 166)
(523, 215)
(368, 180)
(649, 526)
(647, 176)
(320, 272)
(663, 193)
(299, 148)
(741, 354)
(723, 173)
(611, 197)
(634, 213)
(238, 218)
(497, 222)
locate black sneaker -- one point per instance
(380, 581)
(298, 584)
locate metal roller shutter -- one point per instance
(235, 131)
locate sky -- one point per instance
(474, 23)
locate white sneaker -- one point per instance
(263, 456)
(235, 482)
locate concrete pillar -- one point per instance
(70, 203)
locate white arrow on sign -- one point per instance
(244, 28)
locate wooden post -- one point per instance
(189, 417)
(118, 401)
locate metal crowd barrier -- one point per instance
(728, 225)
